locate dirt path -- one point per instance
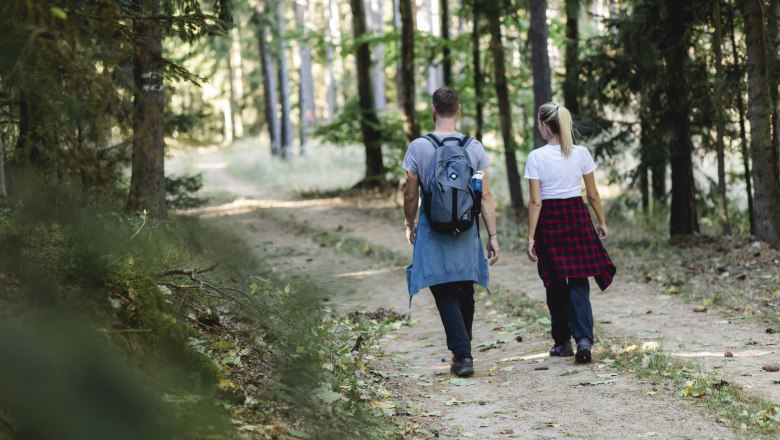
(518, 391)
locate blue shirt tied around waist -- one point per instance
(442, 258)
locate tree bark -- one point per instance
(540, 62)
(269, 82)
(284, 81)
(369, 122)
(477, 60)
(412, 124)
(571, 82)
(765, 175)
(744, 146)
(399, 81)
(236, 85)
(773, 33)
(147, 181)
(683, 219)
(306, 89)
(720, 121)
(444, 15)
(493, 14)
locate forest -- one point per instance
(200, 210)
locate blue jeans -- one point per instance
(570, 311)
(455, 302)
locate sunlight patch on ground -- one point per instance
(366, 273)
(243, 206)
(526, 357)
(746, 353)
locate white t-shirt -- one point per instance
(559, 177)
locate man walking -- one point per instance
(448, 263)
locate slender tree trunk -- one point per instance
(720, 121)
(683, 219)
(433, 70)
(773, 18)
(540, 61)
(444, 15)
(644, 164)
(412, 124)
(236, 84)
(765, 175)
(477, 60)
(571, 82)
(269, 82)
(378, 66)
(306, 89)
(284, 82)
(744, 146)
(3, 192)
(399, 82)
(147, 181)
(369, 122)
(493, 13)
(333, 36)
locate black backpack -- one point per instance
(449, 201)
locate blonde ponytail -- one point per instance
(558, 119)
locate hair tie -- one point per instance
(557, 107)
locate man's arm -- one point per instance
(411, 203)
(489, 216)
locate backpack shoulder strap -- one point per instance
(434, 140)
(465, 141)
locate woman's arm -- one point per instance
(534, 208)
(489, 216)
(595, 201)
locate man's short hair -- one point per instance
(446, 102)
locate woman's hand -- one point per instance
(602, 230)
(531, 252)
(493, 250)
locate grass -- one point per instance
(725, 401)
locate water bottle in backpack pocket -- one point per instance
(449, 199)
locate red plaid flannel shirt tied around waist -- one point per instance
(568, 245)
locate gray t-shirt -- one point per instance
(419, 156)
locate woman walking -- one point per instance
(561, 237)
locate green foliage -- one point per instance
(181, 191)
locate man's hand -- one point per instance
(531, 252)
(493, 250)
(410, 232)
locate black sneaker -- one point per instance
(583, 351)
(463, 367)
(563, 350)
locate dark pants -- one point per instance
(570, 311)
(455, 302)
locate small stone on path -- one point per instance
(728, 354)
(700, 309)
(771, 368)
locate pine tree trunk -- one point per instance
(720, 120)
(493, 14)
(765, 174)
(571, 82)
(269, 82)
(412, 124)
(477, 63)
(236, 83)
(773, 34)
(147, 181)
(284, 82)
(683, 219)
(369, 122)
(540, 61)
(444, 15)
(306, 95)
(644, 164)
(378, 58)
